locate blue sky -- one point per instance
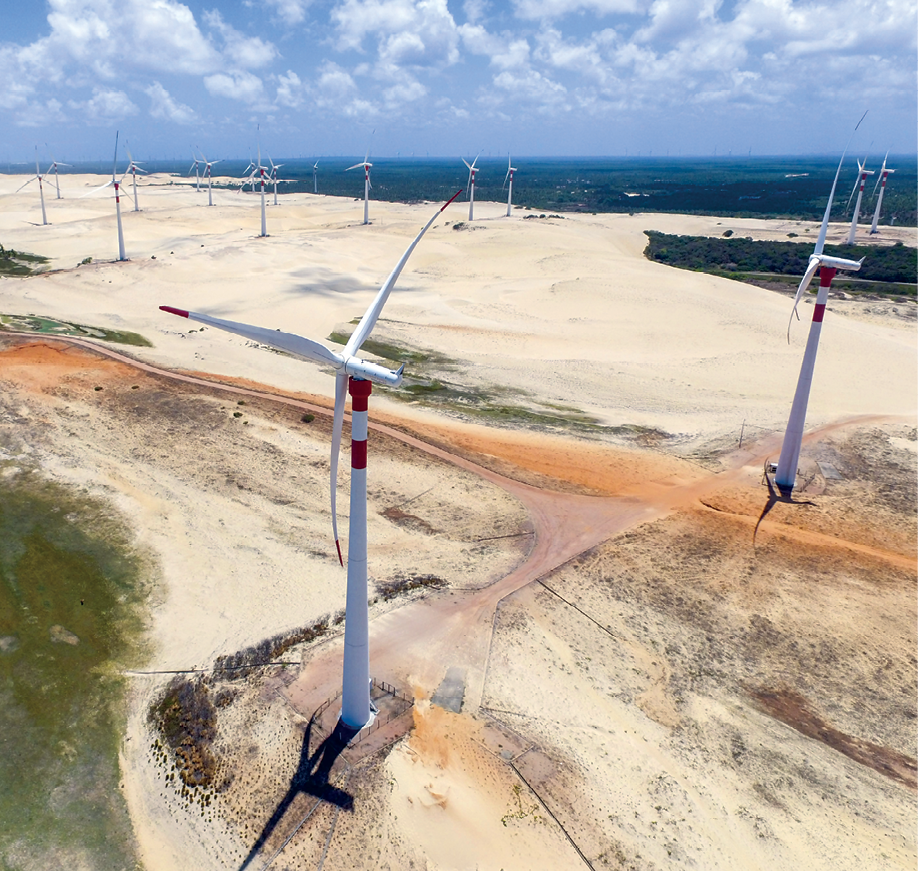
(455, 77)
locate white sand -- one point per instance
(566, 311)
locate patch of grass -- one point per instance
(20, 263)
(71, 592)
(392, 353)
(54, 327)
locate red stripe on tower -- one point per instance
(819, 313)
(360, 394)
(358, 455)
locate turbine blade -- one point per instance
(337, 424)
(368, 321)
(115, 158)
(355, 166)
(289, 342)
(804, 284)
(27, 183)
(101, 188)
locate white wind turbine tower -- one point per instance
(54, 165)
(315, 177)
(259, 170)
(509, 176)
(355, 376)
(470, 187)
(881, 181)
(41, 190)
(786, 473)
(862, 174)
(117, 184)
(366, 184)
(274, 168)
(194, 166)
(208, 174)
(133, 169)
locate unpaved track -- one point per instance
(419, 641)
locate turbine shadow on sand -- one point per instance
(775, 496)
(311, 778)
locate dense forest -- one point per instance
(896, 264)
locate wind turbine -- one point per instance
(258, 170)
(881, 181)
(41, 190)
(862, 174)
(117, 184)
(208, 164)
(194, 166)
(315, 177)
(509, 175)
(786, 474)
(54, 165)
(133, 169)
(366, 184)
(355, 376)
(274, 168)
(470, 187)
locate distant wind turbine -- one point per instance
(41, 190)
(117, 185)
(194, 166)
(355, 376)
(315, 177)
(509, 177)
(274, 168)
(208, 174)
(133, 169)
(786, 473)
(470, 187)
(862, 174)
(881, 181)
(259, 171)
(54, 165)
(366, 184)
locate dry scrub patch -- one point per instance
(713, 703)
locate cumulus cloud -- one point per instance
(163, 106)
(161, 35)
(289, 90)
(105, 105)
(247, 52)
(415, 32)
(235, 85)
(289, 11)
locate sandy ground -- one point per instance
(650, 679)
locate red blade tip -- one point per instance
(174, 311)
(450, 200)
(340, 559)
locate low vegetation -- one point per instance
(894, 267)
(20, 263)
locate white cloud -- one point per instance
(289, 11)
(158, 35)
(247, 52)
(163, 106)
(415, 32)
(105, 106)
(289, 90)
(235, 85)
(540, 10)
(334, 84)
(504, 51)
